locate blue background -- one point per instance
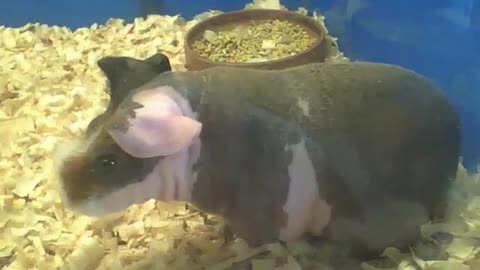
(437, 38)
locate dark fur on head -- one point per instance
(125, 74)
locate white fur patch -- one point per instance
(304, 106)
(71, 148)
(306, 211)
(123, 198)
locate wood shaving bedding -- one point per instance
(51, 87)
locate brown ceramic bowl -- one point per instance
(316, 53)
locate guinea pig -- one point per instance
(124, 74)
(358, 153)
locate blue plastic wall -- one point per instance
(437, 38)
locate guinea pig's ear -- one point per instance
(160, 62)
(157, 126)
(113, 66)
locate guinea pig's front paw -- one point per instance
(228, 235)
(254, 234)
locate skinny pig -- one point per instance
(359, 153)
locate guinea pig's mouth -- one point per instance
(98, 207)
(117, 200)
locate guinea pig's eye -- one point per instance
(105, 162)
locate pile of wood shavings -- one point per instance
(50, 88)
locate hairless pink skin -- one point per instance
(158, 129)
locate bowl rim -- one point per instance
(318, 31)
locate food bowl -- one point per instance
(202, 49)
